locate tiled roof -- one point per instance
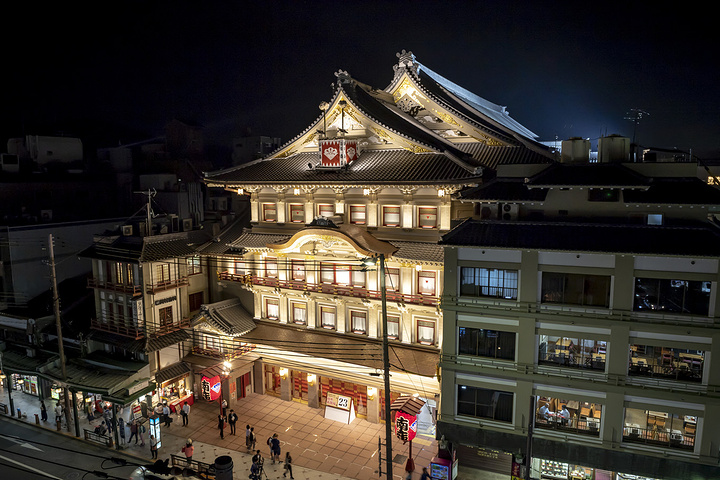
(108, 338)
(257, 240)
(494, 156)
(373, 167)
(701, 240)
(220, 245)
(422, 252)
(172, 338)
(503, 190)
(600, 175)
(172, 372)
(227, 316)
(133, 249)
(676, 191)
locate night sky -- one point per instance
(563, 69)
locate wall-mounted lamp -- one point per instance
(418, 267)
(283, 373)
(296, 191)
(311, 378)
(441, 193)
(371, 392)
(366, 191)
(241, 191)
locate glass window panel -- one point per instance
(391, 216)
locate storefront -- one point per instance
(26, 383)
(174, 386)
(554, 470)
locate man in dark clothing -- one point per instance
(232, 420)
(221, 425)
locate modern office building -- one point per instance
(581, 317)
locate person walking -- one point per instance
(43, 412)
(185, 412)
(425, 475)
(247, 436)
(133, 431)
(166, 415)
(141, 430)
(232, 420)
(256, 470)
(153, 447)
(188, 450)
(221, 425)
(253, 438)
(288, 465)
(58, 413)
(121, 430)
(275, 448)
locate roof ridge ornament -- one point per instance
(343, 77)
(406, 59)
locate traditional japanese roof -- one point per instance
(503, 190)
(172, 372)
(431, 253)
(695, 240)
(109, 338)
(592, 175)
(442, 135)
(675, 191)
(155, 343)
(134, 249)
(228, 317)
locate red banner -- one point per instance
(405, 426)
(210, 387)
(351, 151)
(330, 154)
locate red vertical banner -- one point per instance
(330, 154)
(351, 153)
(405, 426)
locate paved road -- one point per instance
(29, 453)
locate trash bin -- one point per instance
(224, 468)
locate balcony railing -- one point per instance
(153, 288)
(572, 361)
(164, 329)
(584, 426)
(331, 288)
(118, 326)
(133, 290)
(236, 352)
(659, 437)
(683, 371)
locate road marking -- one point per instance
(27, 467)
(21, 443)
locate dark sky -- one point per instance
(562, 68)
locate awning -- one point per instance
(228, 317)
(172, 372)
(167, 340)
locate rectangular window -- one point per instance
(193, 264)
(571, 352)
(426, 332)
(485, 403)
(119, 273)
(392, 279)
(427, 217)
(672, 296)
(486, 343)
(489, 282)
(335, 274)
(297, 213)
(666, 363)
(358, 278)
(299, 313)
(391, 216)
(325, 210)
(298, 270)
(271, 267)
(568, 415)
(165, 316)
(211, 342)
(660, 429)
(130, 275)
(240, 268)
(576, 289)
(393, 324)
(426, 283)
(327, 317)
(163, 273)
(195, 300)
(272, 308)
(358, 322)
(269, 211)
(358, 214)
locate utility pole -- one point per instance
(635, 115)
(58, 325)
(386, 370)
(148, 210)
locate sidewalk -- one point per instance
(320, 448)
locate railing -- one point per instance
(153, 288)
(159, 330)
(120, 328)
(133, 290)
(679, 371)
(659, 437)
(225, 354)
(202, 470)
(583, 427)
(572, 361)
(331, 289)
(93, 437)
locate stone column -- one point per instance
(313, 389)
(286, 387)
(373, 406)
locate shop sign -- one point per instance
(137, 387)
(210, 388)
(405, 426)
(338, 401)
(165, 300)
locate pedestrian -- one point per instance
(188, 450)
(247, 436)
(256, 470)
(121, 429)
(275, 448)
(141, 430)
(288, 465)
(253, 438)
(232, 420)
(58, 413)
(258, 459)
(153, 447)
(224, 407)
(133, 431)
(425, 475)
(166, 415)
(221, 425)
(107, 415)
(185, 412)
(43, 412)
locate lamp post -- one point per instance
(386, 362)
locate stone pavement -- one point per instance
(320, 448)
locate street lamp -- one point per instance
(380, 260)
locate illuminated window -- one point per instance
(163, 273)
(325, 210)
(391, 216)
(165, 316)
(327, 317)
(271, 268)
(358, 322)
(299, 313)
(272, 308)
(334, 273)
(297, 213)
(194, 267)
(426, 283)
(426, 332)
(393, 326)
(298, 270)
(427, 217)
(392, 279)
(358, 214)
(358, 278)
(269, 212)
(488, 282)
(240, 268)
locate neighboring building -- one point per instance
(374, 173)
(246, 149)
(592, 287)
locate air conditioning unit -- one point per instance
(487, 211)
(127, 230)
(509, 211)
(187, 224)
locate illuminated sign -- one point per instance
(337, 401)
(405, 426)
(210, 388)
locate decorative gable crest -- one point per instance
(338, 152)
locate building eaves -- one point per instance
(591, 175)
(173, 338)
(430, 253)
(502, 190)
(228, 317)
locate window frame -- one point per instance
(568, 279)
(385, 212)
(294, 308)
(484, 280)
(354, 210)
(329, 310)
(328, 207)
(420, 323)
(429, 210)
(266, 209)
(427, 274)
(275, 303)
(361, 316)
(296, 210)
